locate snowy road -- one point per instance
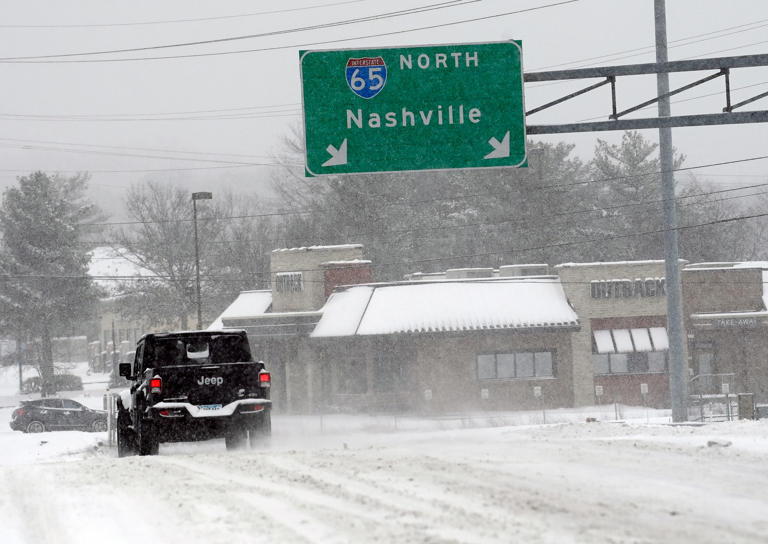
(572, 482)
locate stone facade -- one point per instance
(727, 322)
(439, 372)
(298, 278)
(626, 293)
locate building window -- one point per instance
(505, 365)
(516, 365)
(636, 350)
(601, 363)
(486, 367)
(657, 361)
(544, 363)
(630, 363)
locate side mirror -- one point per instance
(124, 369)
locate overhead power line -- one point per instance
(434, 259)
(188, 20)
(53, 59)
(246, 110)
(136, 155)
(639, 51)
(462, 197)
(524, 222)
(29, 144)
(263, 110)
(368, 18)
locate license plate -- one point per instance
(209, 407)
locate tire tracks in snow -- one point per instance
(32, 503)
(414, 490)
(337, 508)
(283, 511)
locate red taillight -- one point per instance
(264, 379)
(258, 407)
(155, 385)
(19, 412)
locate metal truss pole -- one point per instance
(611, 74)
(677, 360)
(678, 365)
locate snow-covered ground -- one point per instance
(486, 478)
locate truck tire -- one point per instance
(260, 432)
(126, 439)
(147, 439)
(236, 437)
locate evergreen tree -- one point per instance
(44, 285)
(630, 198)
(430, 221)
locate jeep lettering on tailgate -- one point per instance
(215, 380)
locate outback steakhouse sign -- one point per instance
(637, 288)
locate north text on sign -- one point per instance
(441, 60)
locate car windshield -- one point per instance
(201, 350)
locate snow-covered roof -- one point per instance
(729, 315)
(347, 262)
(445, 306)
(247, 304)
(729, 265)
(315, 248)
(606, 263)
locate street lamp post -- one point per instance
(195, 198)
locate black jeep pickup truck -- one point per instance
(193, 385)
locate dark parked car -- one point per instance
(52, 414)
(61, 382)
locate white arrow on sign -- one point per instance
(500, 148)
(339, 156)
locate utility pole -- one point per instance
(195, 197)
(677, 363)
(113, 355)
(20, 358)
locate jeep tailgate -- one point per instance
(210, 384)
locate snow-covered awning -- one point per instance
(446, 306)
(247, 304)
(629, 340)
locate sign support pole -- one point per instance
(677, 363)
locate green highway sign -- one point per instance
(413, 108)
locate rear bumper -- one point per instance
(197, 412)
(182, 421)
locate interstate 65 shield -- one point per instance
(366, 76)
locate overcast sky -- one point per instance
(193, 117)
